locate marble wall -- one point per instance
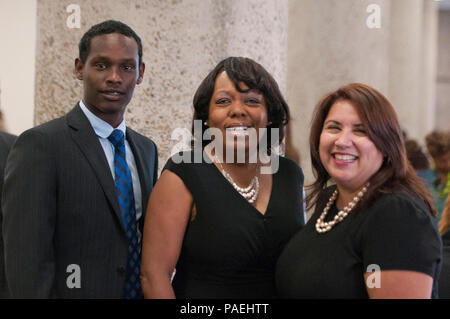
(182, 39)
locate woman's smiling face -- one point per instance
(236, 113)
(345, 150)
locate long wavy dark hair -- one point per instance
(241, 69)
(383, 129)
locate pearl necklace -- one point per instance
(322, 226)
(250, 193)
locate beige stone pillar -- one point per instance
(183, 41)
(329, 45)
(413, 64)
(443, 74)
(430, 46)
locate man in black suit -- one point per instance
(6, 141)
(67, 227)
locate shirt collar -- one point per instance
(101, 128)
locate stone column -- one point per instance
(329, 45)
(413, 64)
(429, 56)
(183, 41)
(443, 74)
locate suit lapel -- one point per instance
(84, 136)
(139, 155)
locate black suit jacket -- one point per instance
(61, 212)
(6, 141)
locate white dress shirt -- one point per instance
(103, 130)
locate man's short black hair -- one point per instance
(107, 27)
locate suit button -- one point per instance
(121, 271)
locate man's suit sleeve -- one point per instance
(29, 214)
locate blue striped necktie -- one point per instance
(124, 188)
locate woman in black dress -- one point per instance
(222, 221)
(372, 234)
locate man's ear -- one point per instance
(141, 73)
(79, 69)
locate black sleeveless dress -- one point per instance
(230, 249)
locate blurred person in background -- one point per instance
(2, 122)
(419, 161)
(416, 156)
(438, 145)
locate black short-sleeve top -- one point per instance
(230, 249)
(397, 232)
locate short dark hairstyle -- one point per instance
(107, 27)
(241, 69)
(416, 156)
(383, 129)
